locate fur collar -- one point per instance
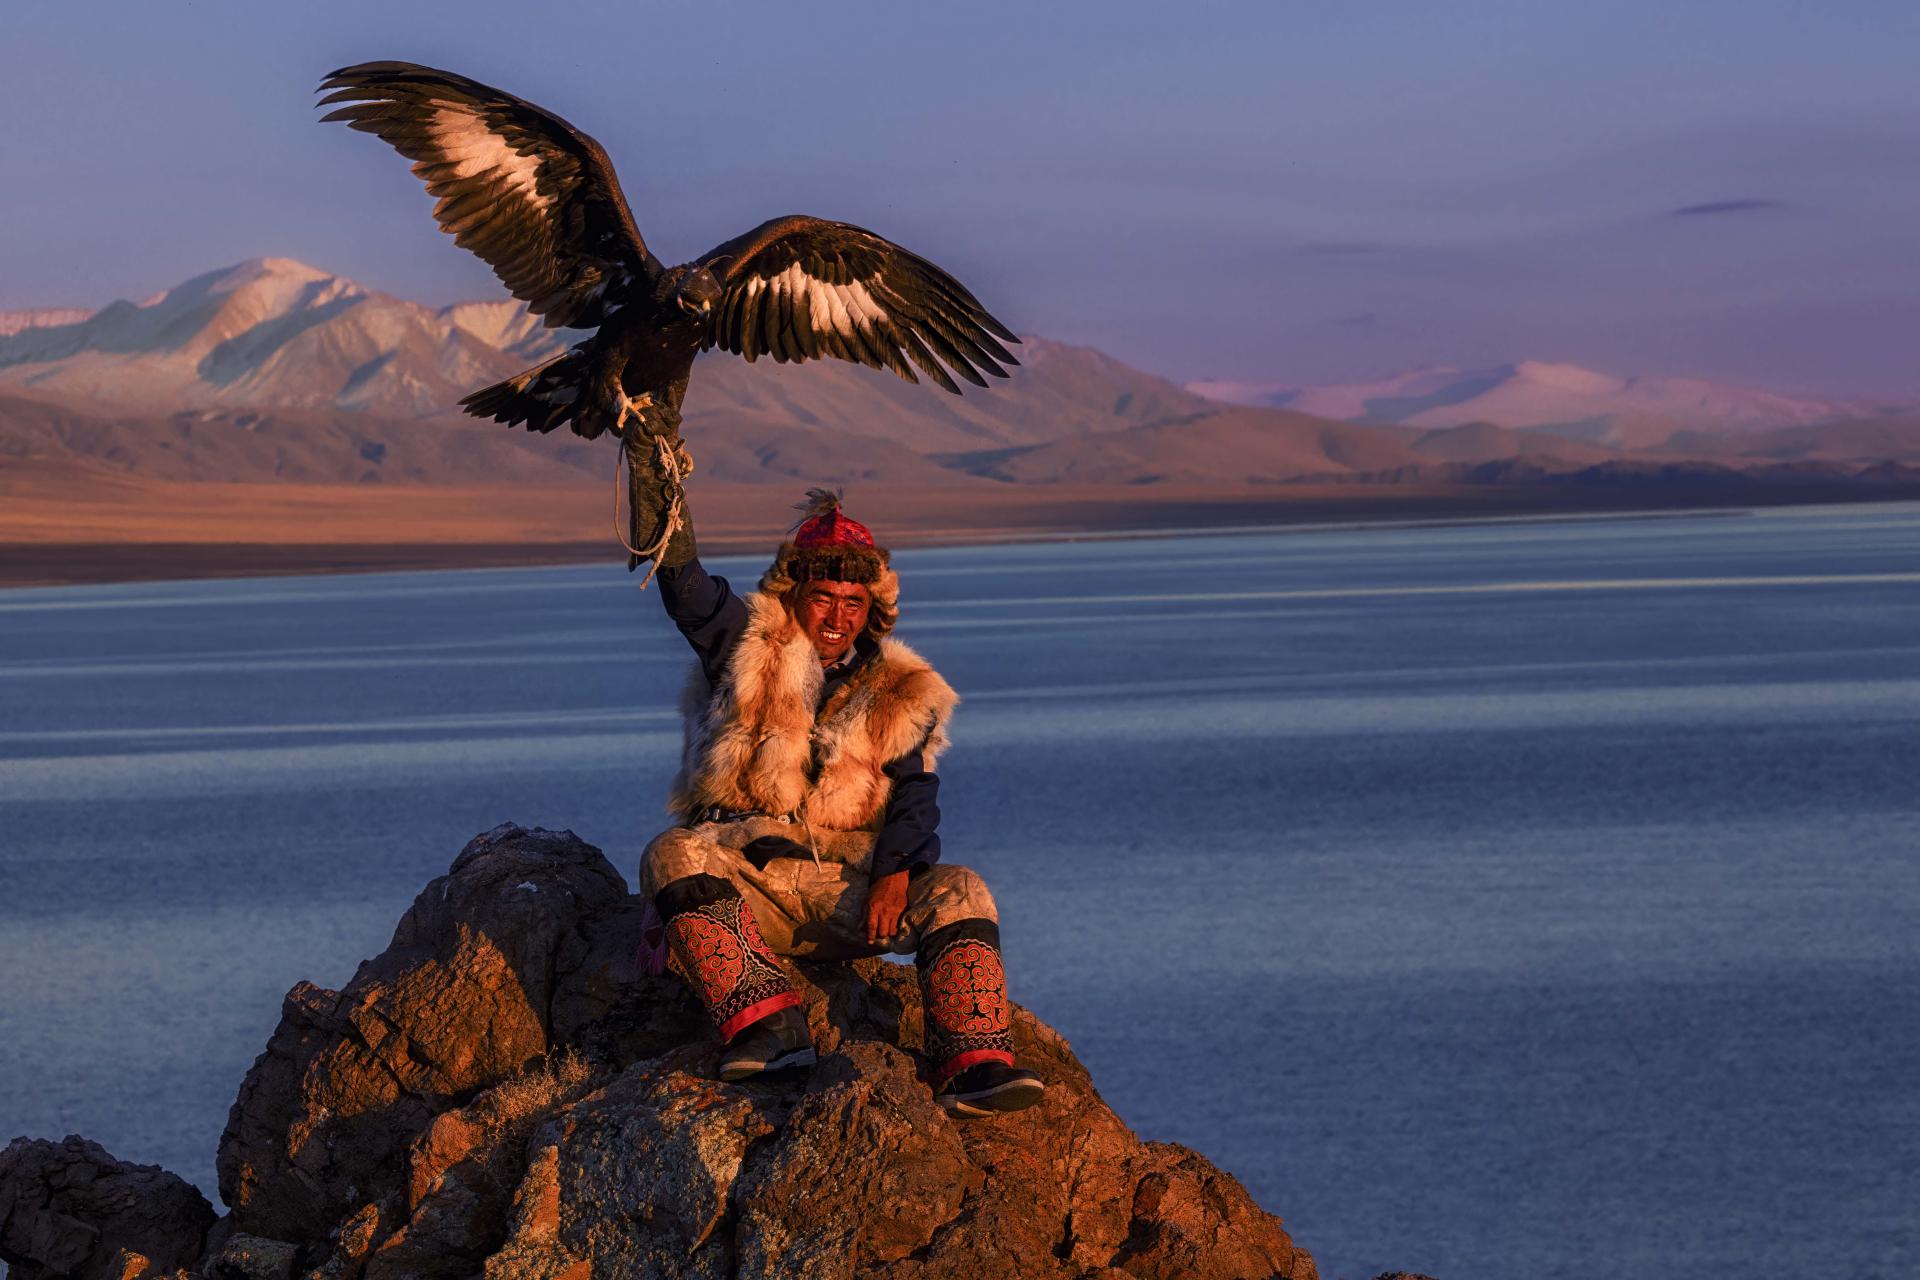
(755, 743)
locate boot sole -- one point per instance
(733, 1072)
(1014, 1095)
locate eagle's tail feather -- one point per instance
(543, 397)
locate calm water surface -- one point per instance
(1517, 900)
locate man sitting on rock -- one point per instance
(807, 799)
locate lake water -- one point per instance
(1511, 900)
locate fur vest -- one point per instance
(756, 742)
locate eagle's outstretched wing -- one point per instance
(797, 288)
(533, 196)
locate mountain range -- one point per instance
(275, 370)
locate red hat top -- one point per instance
(829, 544)
(826, 525)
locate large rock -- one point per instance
(70, 1209)
(501, 1093)
(464, 997)
(856, 1173)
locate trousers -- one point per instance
(809, 910)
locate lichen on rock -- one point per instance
(502, 1092)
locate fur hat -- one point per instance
(828, 544)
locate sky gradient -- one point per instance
(1268, 191)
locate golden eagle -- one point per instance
(538, 201)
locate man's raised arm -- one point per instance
(704, 607)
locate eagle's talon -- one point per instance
(635, 406)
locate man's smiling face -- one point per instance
(832, 614)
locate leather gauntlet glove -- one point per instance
(652, 491)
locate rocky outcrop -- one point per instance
(502, 1093)
(465, 996)
(70, 1209)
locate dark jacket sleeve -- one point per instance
(706, 610)
(909, 837)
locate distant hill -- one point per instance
(1893, 438)
(294, 445)
(1564, 399)
(1058, 392)
(1485, 442)
(1230, 446)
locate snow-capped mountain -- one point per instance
(269, 332)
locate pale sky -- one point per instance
(1275, 191)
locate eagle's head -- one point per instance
(697, 292)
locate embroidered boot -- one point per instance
(963, 986)
(717, 942)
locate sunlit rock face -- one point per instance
(502, 1092)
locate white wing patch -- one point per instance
(859, 303)
(465, 141)
(847, 309)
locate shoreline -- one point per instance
(747, 519)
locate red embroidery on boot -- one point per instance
(967, 991)
(714, 958)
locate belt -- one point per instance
(720, 813)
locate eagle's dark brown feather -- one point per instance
(531, 195)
